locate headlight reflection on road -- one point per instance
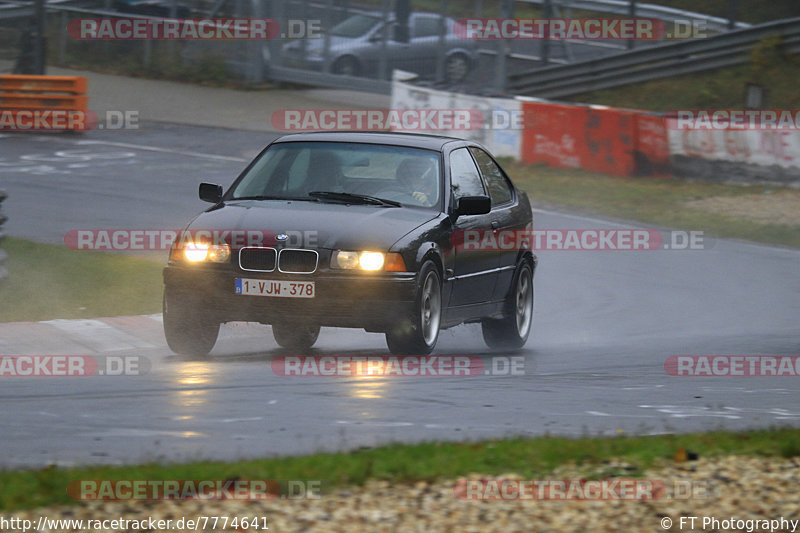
(191, 377)
(369, 383)
(367, 388)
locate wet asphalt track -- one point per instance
(604, 324)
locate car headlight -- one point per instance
(196, 252)
(370, 261)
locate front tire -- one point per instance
(189, 329)
(511, 331)
(456, 68)
(419, 337)
(295, 336)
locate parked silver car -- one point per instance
(356, 47)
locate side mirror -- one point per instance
(473, 205)
(210, 192)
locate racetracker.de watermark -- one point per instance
(626, 240)
(734, 119)
(126, 29)
(376, 119)
(402, 119)
(396, 366)
(733, 365)
(138, 240)
(641, 29)
(73, 120)
(38, 366)
(192, 489)
(611, 489)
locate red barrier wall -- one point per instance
(651, 153)
(611, 141)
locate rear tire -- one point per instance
(420, 336)
(511, 331)
(295, 336)
(346, 66)
(188, 328)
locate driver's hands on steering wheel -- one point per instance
(421, 197)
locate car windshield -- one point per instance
(372, 174)
(355, 26)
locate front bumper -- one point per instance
(373, 301)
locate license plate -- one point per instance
(275, 288)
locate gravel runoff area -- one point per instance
(740, 493)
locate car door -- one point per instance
(425, 30)
(505, 219)
(474, 269)
(399, 53)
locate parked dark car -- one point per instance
(356, 47)
(365, 230)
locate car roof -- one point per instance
(391, 15)
(411, 140)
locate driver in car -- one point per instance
(417, 175)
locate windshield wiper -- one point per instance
(354, 198)
(273, 197)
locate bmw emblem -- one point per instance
(281, 236)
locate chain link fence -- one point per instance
(340, 43)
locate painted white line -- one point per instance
(582, 217)
(165, 150)
(98, 335)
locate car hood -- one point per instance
(316, 225)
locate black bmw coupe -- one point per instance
(402, 234)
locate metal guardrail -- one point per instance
(324, 79)
(13, 10)
(622, 7)
(654, 62)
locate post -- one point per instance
(506, 11)
(256, 63)
(731, 14)
(383, 61)
(62, 39)
(40, 42)
(276, 44)
(3, 255)
(440, 73)
(632, 14)
(326, 54)
(547, 12)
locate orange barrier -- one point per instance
(43, 102)
(621, 142)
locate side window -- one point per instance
(426, 27)
(496, 182)
(464, 176)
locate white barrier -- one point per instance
(502, 139)
(754, 147)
